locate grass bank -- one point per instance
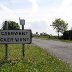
(36, 60)
(52, 38)
(46, 37)
(68, 41)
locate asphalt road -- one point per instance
(61, 50)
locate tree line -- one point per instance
(61, 27)
(58, 24)
(10, 25)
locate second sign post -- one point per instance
(23, 45)
(22, 22)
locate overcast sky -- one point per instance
(38, 14)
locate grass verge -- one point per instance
(68, 41)
(36, 60)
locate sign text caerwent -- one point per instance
(15, 36)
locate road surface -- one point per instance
(61, 50)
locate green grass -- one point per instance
(52, 38)
(36, 60)
(46, 37)
(42, 37)
(69, 41)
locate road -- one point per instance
(61, 50)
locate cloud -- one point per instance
(4, 8)
(39, 26)
(34, 5)
(66, 4)
(6, 14)
(49, 14)
(39, 18)
(66, 11)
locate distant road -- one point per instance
(61, 50)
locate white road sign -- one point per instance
(15, 36)
(22, 21)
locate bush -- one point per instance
(67, 35)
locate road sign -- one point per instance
(15, 36)
(22, 21)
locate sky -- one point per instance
(38, 14)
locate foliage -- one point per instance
(44, 36)
(35, 60)
(59, 25)
(67, 35)
(11, 25)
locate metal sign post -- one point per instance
(23, 37)
(23, 45)
(6, 52)
(6, 45)
(22, 22)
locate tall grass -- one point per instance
(35, 60)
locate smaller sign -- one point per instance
(22, 21)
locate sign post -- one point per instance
(22, 22)
(23, 37)
(6, 46)
(6, 52)
(23, 45)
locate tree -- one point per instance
(36, 33)
(60, 26)
(11, 25)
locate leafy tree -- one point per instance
(11, 25)
(60, 26)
